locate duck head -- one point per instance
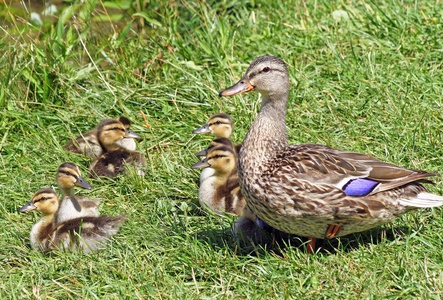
(45, 201)
(220, 125)
(111, 131)
(267, 74)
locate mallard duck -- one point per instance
(313, 190)
(221, 126)
(86, 234)
(88, 142)
(111, 163)
(71, 206)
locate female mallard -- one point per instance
(220, 125)
(86, 234)
(313, 190)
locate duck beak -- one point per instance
(240, 87)
(201, 164)
(132, 135)
(27, 207)
(82, 183)
(204, 152)
(203, 129)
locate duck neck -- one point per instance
(267, 134)
(67, 192)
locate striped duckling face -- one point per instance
(215, 143)
(221, 158)
(68, 176)
(45, 201)
(111, 131)
(219, 125)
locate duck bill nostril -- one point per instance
(201, 164)
(130, 134)
(240, 87)
(203, 129)
(27, 207)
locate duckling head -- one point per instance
(45, 201)
(220, 125)
(69, 176)
(111, 131)
(268, 75)
(217, 142)
(221, 158)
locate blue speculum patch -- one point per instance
(359, 187)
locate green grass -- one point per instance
(369, 82)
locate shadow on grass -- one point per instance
(278, 242)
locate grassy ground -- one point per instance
(366, 76)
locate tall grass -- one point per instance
(365, 76)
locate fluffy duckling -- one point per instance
(81, 234)
(71, 206)
(221, 191)
(220, 125)
(89, 144)
(112, 162)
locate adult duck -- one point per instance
(313, 190)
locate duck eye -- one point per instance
(266, 69)
(218, 123)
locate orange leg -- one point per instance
(310, 247)
(333, 230)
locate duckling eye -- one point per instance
(217, 156)
(266, 69)
(218, 123)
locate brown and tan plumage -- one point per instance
(89, 144)
(220, 192)
(85, 234)
(221, 126)
(115, 158)
(313, 190)
(72, 206)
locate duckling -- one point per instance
(71, 206)
(88, 142)
(85, 234)
(220, 125)
(111, 163)
(313, 190)
(220, 192)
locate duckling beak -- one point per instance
(201, 164)
(82, 183)
(132, 135)
(203, 129)
(27, 207)
(204, 152)
(240, 87)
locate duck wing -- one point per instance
(354, 173)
